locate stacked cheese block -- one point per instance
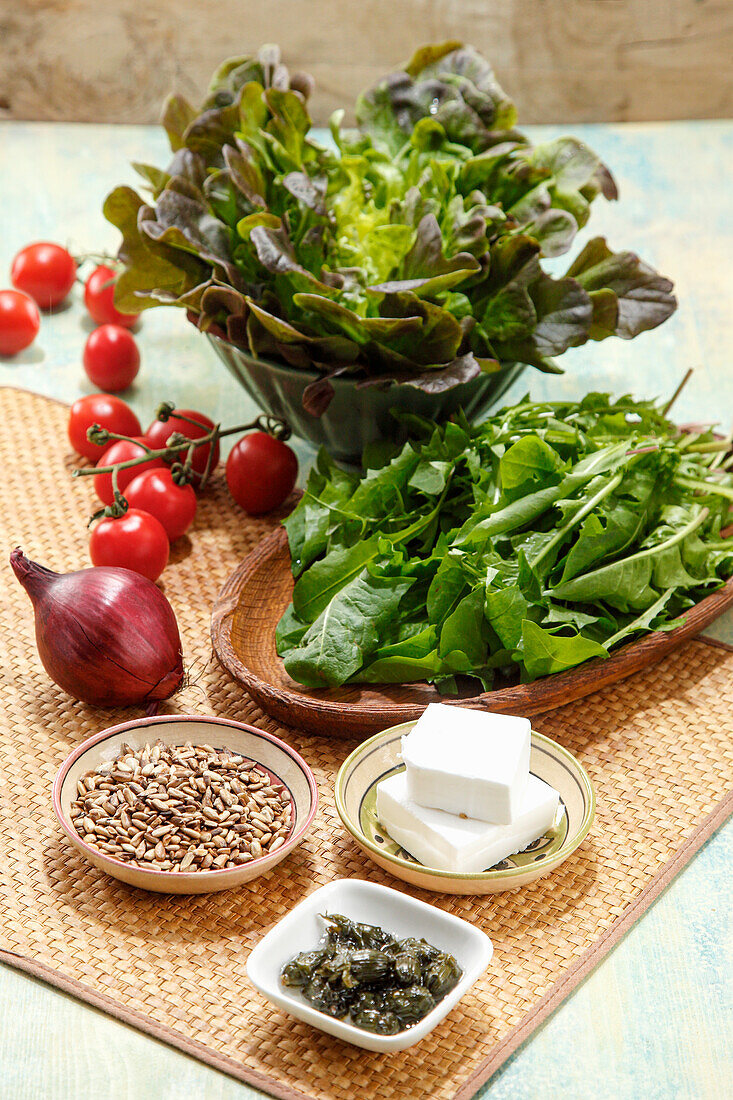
(466, 799)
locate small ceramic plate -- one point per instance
(368, 902)
(282, 762)
(375, 759)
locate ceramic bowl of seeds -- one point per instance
(183, 804)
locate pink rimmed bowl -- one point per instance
(283, 763)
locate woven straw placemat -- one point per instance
(658, 749)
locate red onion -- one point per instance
(105, 635)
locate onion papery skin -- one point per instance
(106, 636)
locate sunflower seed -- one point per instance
(151, 804)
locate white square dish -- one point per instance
(369, 903)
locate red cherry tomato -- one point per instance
(160, 431)
(111, 358)
(99, 298)
(134, 541)
(44, 271)
(155, 492)
(121, 451)
(107, 411)
(261, 472)
(19, 321)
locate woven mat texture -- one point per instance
(658, 749)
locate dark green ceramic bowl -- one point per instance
(356, 416)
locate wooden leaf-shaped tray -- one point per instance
(257, 593)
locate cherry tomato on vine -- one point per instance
(121, 451)
(111, 358)
(160, 431)
(261, 472)
(44, 271)
(155, 492)
(134, 541)
(109, 412)
(19, 321)
(99, 298)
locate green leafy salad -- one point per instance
(519, 547)
(408, 249)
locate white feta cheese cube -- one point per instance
(446, 842)
(468, 762)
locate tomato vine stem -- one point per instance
(272, 425)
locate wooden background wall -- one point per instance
(561, 60)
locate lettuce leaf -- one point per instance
(542, 538)
(412, 253)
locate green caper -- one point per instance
(421, 949)
(341, 931)
(381, 1023)
(328, 1000)
(407, 968)
(373, 1000)
(299, 970)
(376, 937)
(344, 931)
(335, 966)
(442, 976)
(366, 965)
(409, 1005)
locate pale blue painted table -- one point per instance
(654, 1018)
